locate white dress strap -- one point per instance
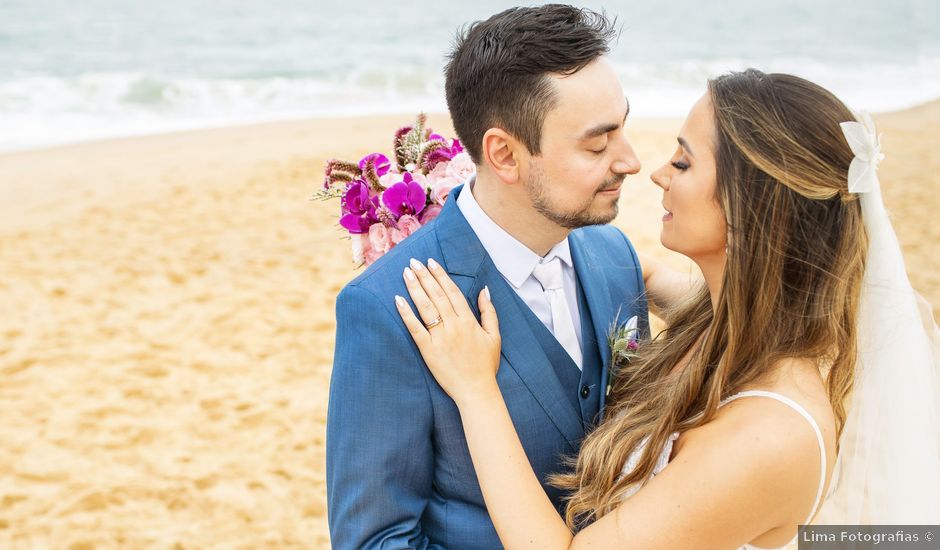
(799, 408)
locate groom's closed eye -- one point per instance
(605, 128)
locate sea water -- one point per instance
(74, 71)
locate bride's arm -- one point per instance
(464, 358)
(522, 513)
(736, 479)
(665, 286)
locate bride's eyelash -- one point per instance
(681, 166)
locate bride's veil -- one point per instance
(888, 467)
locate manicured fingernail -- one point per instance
(486, 290)
(433, 264)
(409, 274)
(416, 265)
(400, 301)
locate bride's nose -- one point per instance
(660, 179)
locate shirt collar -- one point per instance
(514, 260)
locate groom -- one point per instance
(541, 112)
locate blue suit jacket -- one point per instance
(399, 474)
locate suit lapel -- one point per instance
(525, 356)
(465, 258)
(598, 301)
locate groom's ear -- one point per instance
(501, 152)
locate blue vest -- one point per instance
(582, 386)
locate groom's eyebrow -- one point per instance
(602, 129)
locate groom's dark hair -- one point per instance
(497, 72)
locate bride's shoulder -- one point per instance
(791, 385)
(773, 413)
(764, 429)
(765, 436)
(761, 449)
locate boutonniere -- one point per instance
(624, 345)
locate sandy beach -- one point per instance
(167, 329)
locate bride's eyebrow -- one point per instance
(602, 129)
(685, 145)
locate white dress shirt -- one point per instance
(515, 262)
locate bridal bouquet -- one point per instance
(381, 204)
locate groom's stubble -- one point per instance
(570, 218)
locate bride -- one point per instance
(798, 366)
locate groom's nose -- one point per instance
(627, 161)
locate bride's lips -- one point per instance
(668, 215)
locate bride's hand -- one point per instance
(462, 355)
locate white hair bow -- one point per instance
(866, 145)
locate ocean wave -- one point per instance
(49, 110)
(40, 111)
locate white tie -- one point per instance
(550, 276)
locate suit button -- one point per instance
(585, 391)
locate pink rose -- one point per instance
(439, 171)
(461, 167)
(372, 256)
(408, 225)
(380, 238)
(434, 176)
(430, 213)
(442, 187)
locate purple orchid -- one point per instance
(356, 200)
(405, 197)
(355, 224)
(381, 162)
(359, 208)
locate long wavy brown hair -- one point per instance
(790, 289)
